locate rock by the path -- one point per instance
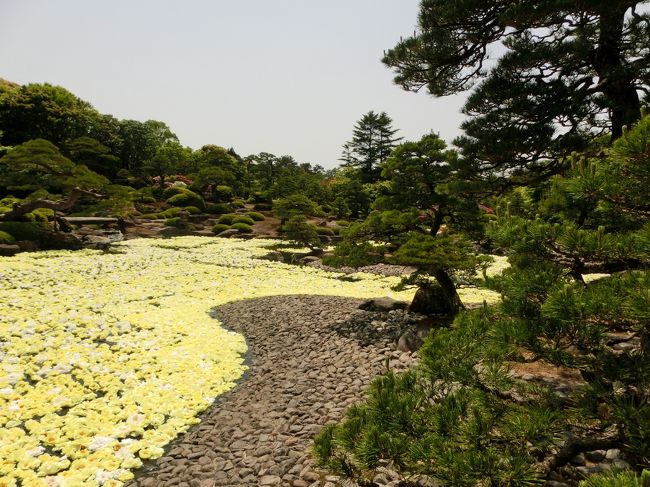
(231, 232)
(8, 250)
(382, 304)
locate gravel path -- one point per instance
(310, 358)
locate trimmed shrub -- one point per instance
(23, 230)
(171, 212)
(187, 198)
(238, 203)
(146, 199)
(343, 223)
(173, 222)
(217, 208)
(173, 191)
(325, 231)
(5, 238)
(227, 218)
(192, 210)
(243, 219)
(151, 216)
(242, 227)
(326, 208)
(220, 227)
(258, 217)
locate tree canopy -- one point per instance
(565, 72)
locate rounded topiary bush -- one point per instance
(242, 227)
(6, 238)
(171, 212)
(192, 210)
(237, 203)
(325, 231)
(173, 222)
(23, 230)
(151, 216)
(217, 208)
(173, 191)
(227, 218)
(187, 198)
(343, 223)
(258, 217)
(220, 227)
(243, 219)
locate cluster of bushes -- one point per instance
(241, 222)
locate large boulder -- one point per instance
(382, 304)
(8, 250)
(430, 300)
(231, 232)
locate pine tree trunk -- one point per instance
(617, 85)
(449, 290)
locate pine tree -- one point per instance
(373, 139)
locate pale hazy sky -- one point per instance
(281, 76)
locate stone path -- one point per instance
(311, 358)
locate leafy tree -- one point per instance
(141, 141)
(42, 111)
(571, 71)
(373, 138)
(166, 161)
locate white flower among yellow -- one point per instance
(105, 358)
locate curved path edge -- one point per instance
(310, 358)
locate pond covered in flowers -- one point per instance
(106, 357)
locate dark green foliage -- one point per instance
(24, 230)
(242, 227)
(243, 219)
(220, 227)
(217, 208)
(186, 198)
(227, 219)
(6, 238)
(258, 217)
(151, 216)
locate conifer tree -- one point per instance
(373, 139)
